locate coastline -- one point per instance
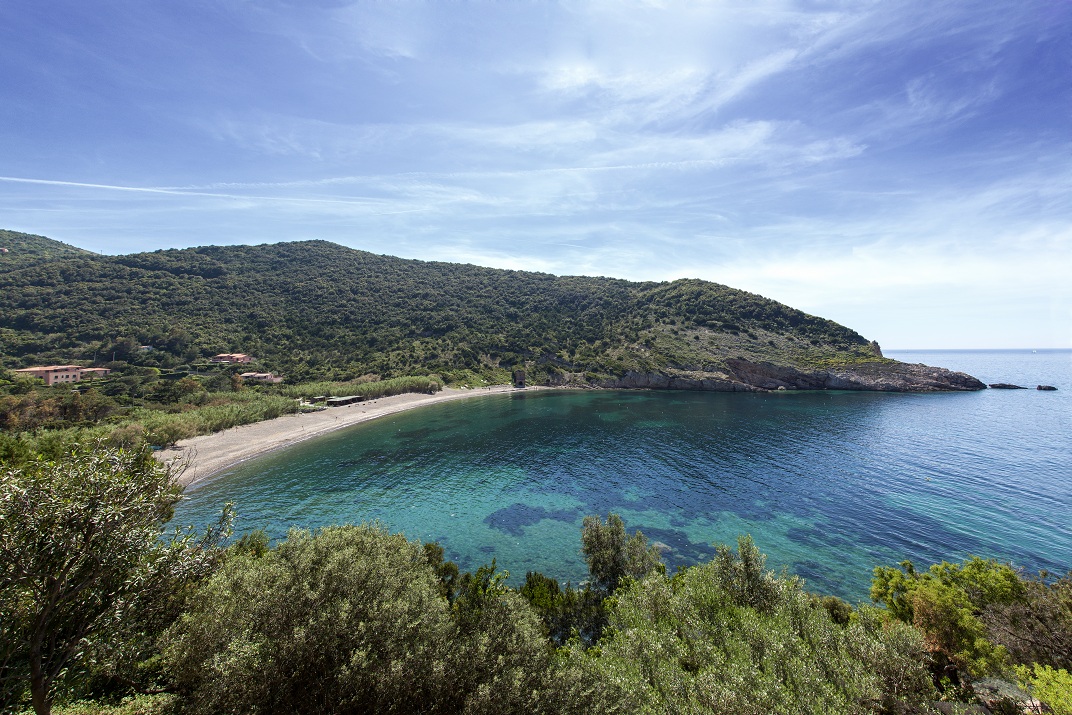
(200, 458)
(205, 456)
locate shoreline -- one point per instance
(205, 456)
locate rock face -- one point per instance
(880, 377)
(745, 376)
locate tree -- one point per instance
(1037, 627)
(565, 611)
(613, 556)
(82, 560)
(347, 618)
(972, 614)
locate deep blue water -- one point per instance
(829, 484)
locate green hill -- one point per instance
(20, 250)
(314, 309)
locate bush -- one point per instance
(353, 619)
(1053, 687)
(730, 637)
(982, 614)
(350, 618)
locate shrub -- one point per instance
(731, 637)
(353, 619)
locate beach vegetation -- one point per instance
(133, 410)
(366, 389)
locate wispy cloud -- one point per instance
(843, 156)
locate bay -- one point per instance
(829, 484)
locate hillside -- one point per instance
(20, 250)
(314, 309)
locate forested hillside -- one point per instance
(314, 309)
(19, 250)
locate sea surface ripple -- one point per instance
(829, 484)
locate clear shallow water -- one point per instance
(829, 484)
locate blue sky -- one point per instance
(904, 168)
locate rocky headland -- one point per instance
(745, 376)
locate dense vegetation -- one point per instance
(315, 310)
(353, 619)
(138, 406)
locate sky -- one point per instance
(903, 168)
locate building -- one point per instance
(231, 358)
(262, 377)
(64, 374)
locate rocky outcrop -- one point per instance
(744, 376)
(1005, 386)
(1047, 388)
(877, 376)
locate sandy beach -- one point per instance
(204, 456)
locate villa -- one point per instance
(262, 377)
(64, 374)
(231, 358)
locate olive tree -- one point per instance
(613, 556)
(83, 561)
(354, 619)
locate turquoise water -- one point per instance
(829, 484)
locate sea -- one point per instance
(828, 484)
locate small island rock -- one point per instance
(1048, 388)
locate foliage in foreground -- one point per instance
(352, 619)
(731, 637)
(985, 618)
(85, 573)
(96, 601)
(1051, 686)
(982, 616)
